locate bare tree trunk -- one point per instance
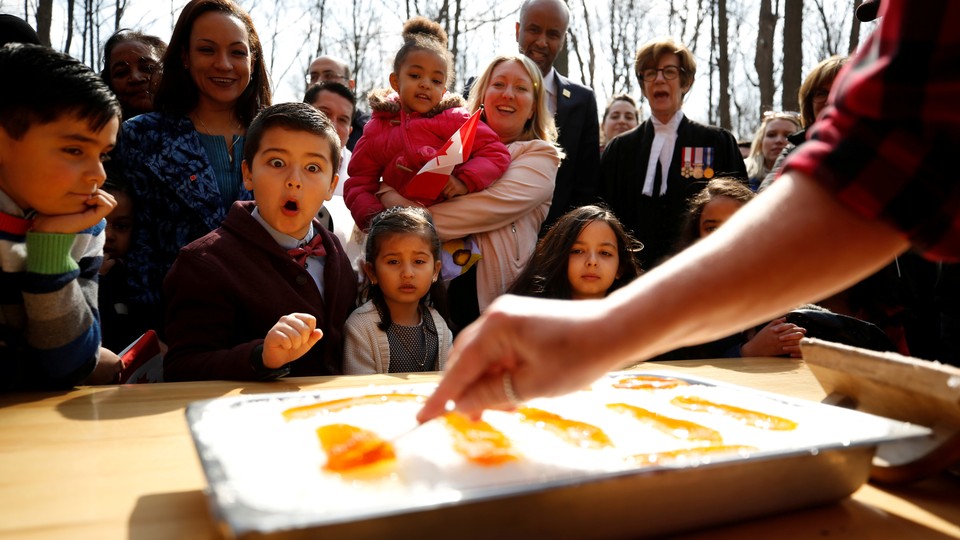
(562, 63)
(854, 32)
(455, 43)
(118, 14)
(591, 51)
(792, 53)
(44, 19)
(723, 64)
(763, 60)
(70, 23)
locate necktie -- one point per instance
(14, 225)
(313, 249)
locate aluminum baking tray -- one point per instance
(265, 473)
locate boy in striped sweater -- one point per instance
(58, 120)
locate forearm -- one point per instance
(62, 330)
(794, 244)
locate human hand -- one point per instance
(777, 338)
(535, 341)
(99, 205)
(289, 339)
(454, 187)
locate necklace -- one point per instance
(233, 139)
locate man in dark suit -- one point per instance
(541, 34)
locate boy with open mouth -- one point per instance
(252, 299)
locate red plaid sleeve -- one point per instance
(889, 146)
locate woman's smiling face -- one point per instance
(509, 100)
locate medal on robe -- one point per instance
(708, 162)
(686, 168)
(698, 163)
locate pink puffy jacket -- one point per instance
(395, 145)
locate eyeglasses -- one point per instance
(328, 75)
(669, 73)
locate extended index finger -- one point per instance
(465, 368)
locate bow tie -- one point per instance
(14, 225)
(313, 249)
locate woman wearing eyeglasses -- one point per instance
(647, 175)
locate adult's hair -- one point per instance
(124, 35)
(545, 274)
(650, 53)
(178, 94)
(541, 125)
(50, 85)
(422, 34)
(401, 220)
(620, 97)
(330, 86)
(822, 74)
(294, 117)
(724, 186)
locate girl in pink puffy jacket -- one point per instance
(411, 122)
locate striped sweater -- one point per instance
(49, 324)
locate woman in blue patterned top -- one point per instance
(183, 160)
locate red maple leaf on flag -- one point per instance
(431, 178)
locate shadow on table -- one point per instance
(183, 515)
(136, 400)
(752, 365)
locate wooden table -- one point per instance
(118, 462)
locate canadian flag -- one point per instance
(431, 178)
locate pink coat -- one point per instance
(395, 145)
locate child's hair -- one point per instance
(295, 117)
(178, 94)
(42, 85)
(545, 274)
(422, 34)
(726, 186)
(402, 220)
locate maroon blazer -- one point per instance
(228, 288)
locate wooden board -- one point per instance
(895, 386)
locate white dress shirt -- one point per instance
(661, 151)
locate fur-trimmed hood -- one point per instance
(386, 100)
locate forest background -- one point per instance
(752, 55)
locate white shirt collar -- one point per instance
(285, 240)
(550, 84)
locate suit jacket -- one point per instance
(656, 221)
(579, 126)
(177, 199)
(230, 287)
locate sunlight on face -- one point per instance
(594, 261)
(291, 176)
